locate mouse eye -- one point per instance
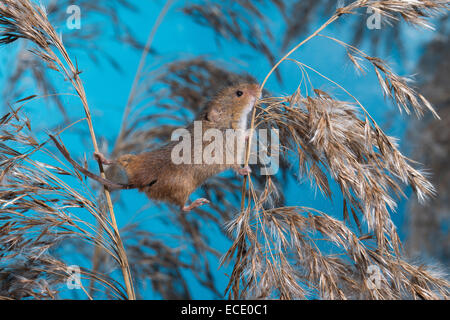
(239, 93)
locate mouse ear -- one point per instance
(212, 115)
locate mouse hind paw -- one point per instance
(197, 203)
(101, 158)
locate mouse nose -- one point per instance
(254, 90)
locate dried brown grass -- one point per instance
(151, 259)
(331, 139)
(22, 61)
(38, 211)
(277, 251)
(22, 19)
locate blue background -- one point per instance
(179, 37)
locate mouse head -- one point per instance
(233, 103)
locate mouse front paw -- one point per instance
(244, 171)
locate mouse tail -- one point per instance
(105, 182)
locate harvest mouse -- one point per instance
(158, 176)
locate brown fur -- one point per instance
(155, 174)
